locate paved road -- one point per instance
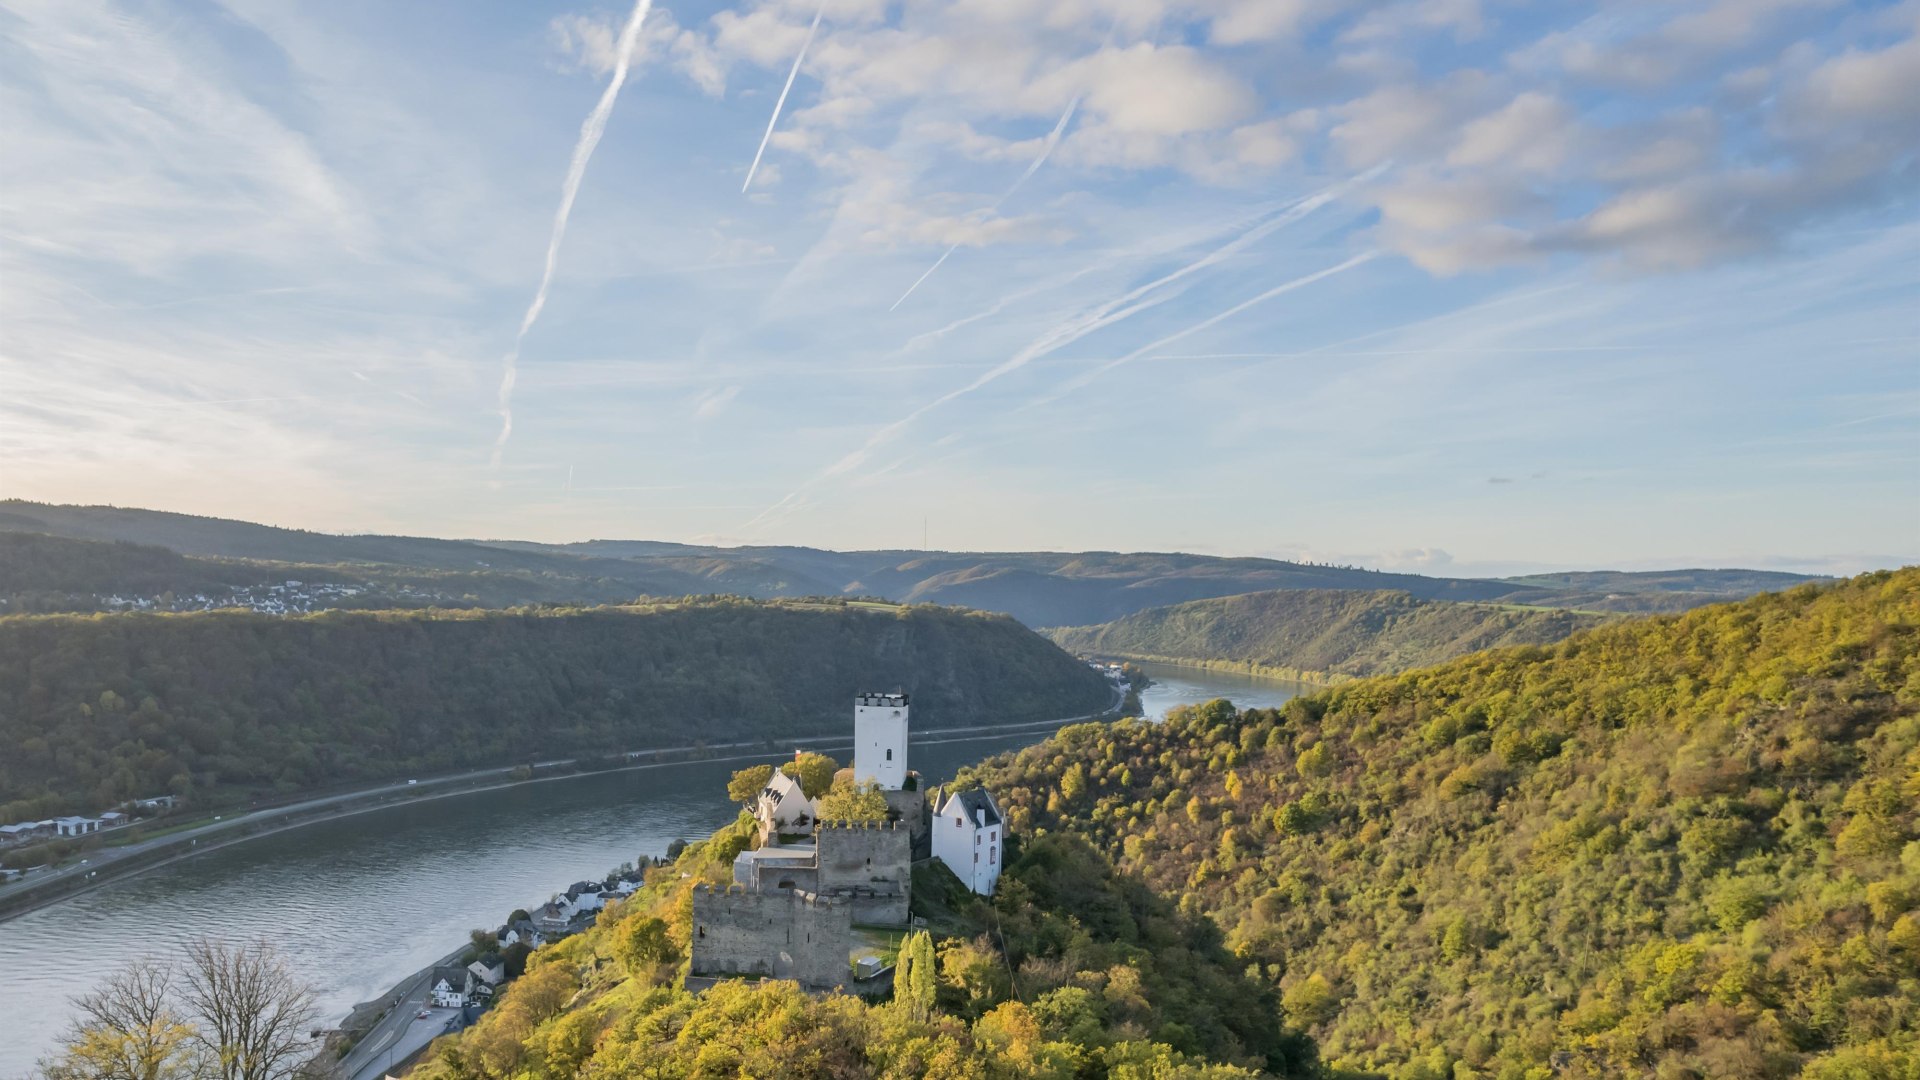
(402, 1030)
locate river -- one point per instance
(360, 902)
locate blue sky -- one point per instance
(1455, 285)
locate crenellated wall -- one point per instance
(869, 864)
(786, 934)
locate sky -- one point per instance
(1454, 286)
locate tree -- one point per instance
(853, 802)
(814, 771)
(641, 944)
(254, 1012)
(127, 1029)
(916, 977)
(483, 941)
(747, 784)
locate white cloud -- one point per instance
(1532, 133)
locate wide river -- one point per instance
(361, 902)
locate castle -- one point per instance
(796, 900)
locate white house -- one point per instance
(554, 918)
(489, 969)
(783, 807)
(880, 740)
(76, 826)
(969, 835)
(451, 987)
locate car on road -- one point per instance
(422, 1014)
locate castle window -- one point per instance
(993, 854)
(889, 753)
(702, 931)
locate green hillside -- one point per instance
(96, 709)
(1316, 633)
(1071, 971)
(1673, 847)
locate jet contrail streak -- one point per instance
(1073, 329)
(590, 132)
(1285, 287)
(1046, 151)
(782, 102)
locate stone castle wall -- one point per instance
(871, 865)
(786, 934)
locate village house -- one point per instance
(967, 836)
(554, 919)
(520, 932)
(489, 969)
(25, 832)
(451, 987)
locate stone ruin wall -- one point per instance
(783, 935)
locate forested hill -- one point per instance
(1319, 632)
(1039, 588)
(97, 709)
(1677, 846)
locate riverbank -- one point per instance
(1236, 667)
(107, 865)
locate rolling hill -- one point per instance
(1317, 633)
(98, 709)
(1673, 846)
(1038, 588)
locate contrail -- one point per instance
(1073, 329)
(1285, 287)
(590, 132)
(1046, 151)
(782, 102)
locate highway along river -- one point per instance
(361, 902)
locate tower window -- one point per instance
(889, 753)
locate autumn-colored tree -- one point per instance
(127, 1028)
(848, 801)
(814, 771)
(746, 785)
(642, 944)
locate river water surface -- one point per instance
(361, 902)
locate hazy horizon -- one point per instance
(1430, 563)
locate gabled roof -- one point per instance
(455, 977)
(972, 804)
(780, 785)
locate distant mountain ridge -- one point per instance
(1315, 633)
(1039, 588)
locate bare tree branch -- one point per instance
(254, 1012)
(126, 1029)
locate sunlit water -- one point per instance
(361, 902)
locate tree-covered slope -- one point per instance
(1678, 846)
(95, 709)
(1071, 972)
(1320, 631)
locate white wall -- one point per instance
(880, 746)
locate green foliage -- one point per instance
(1312, 633)
(98, 709)
(746, 784)
(814, 772)
(1677, 846)
(1072, 971)
(848, 801)
(641, 944)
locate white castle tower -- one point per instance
(880, 740)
